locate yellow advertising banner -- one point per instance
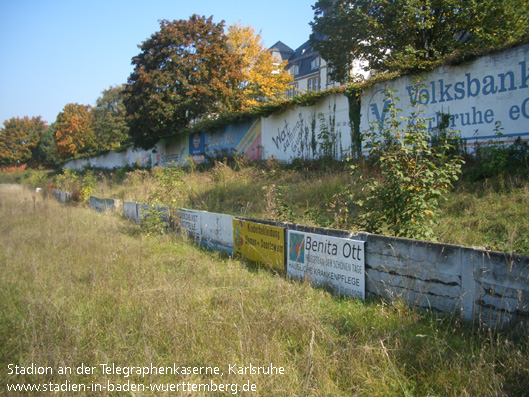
(259, 243)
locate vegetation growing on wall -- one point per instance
(411, 34)
(414, 174)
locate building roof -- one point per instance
(302, 57)
(281, 51)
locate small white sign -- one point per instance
(326, 260)
(190, 222)
(217, 231)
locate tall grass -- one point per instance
(489, 213)
(79, 287)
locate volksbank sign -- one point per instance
(488, 95)
(325, 260)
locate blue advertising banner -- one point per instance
(197, 147)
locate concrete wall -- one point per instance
(243, 138)
(130, 157)
(104, 204)
(482, 97)
(289, 135)
(63, 197)
(479, 96)
(487, 288)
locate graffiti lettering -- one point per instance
(290, 138)
(221, 140)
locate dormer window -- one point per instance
(294, 70)
(315, 64)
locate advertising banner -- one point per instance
(190, 222)
(259, 243)
(217, 231)
(197, 148)
(326, 260)
(480, 99)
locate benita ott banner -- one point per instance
(326, 260)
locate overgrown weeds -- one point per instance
(481, 211)
(85, 288)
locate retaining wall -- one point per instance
(482, 97)
(63, 197)
(489, 288)
(104, 204)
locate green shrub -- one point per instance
(414, 174)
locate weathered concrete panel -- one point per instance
(130, 210)
(104, 204)
(62, 197)
(423, 260)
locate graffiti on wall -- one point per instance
(311, 133)
(243, 139)
(237, 139)
(177, 157)
(290, 138)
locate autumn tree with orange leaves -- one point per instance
(74, 132)
(18, 139)
(264, 78)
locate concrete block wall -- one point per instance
(63, 197)
(487, 288)
(104, 204)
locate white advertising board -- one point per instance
(217, 231)
(326, 260)
(190, 222)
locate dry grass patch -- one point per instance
(81, 287)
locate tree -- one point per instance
(264, 78)
(110, 125)
(413, 175)
(46, 151)
(18, 139)
(399, 34)
(184, 72)
(74, 132)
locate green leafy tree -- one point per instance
(74, 133)
(413, 174)
(19, 138)
(110, 124)
(185, 71)
(404, 34)
(46, 150)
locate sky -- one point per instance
(55, 52)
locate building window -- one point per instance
(314, 84)
(294, 70)
(293, 90)
(330, 81)
(315, 64)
